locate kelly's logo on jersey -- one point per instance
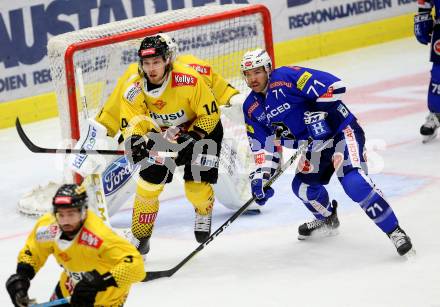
(86, 237)
(181, 79)
(159, 104)
(203, 70)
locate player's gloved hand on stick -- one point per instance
(18, 286)
(138, 147)
(184, 156)
(423, 26)
(84, 293)
(257, 186)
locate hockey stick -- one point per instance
(168, 273)
(37, 149)
(53, 303)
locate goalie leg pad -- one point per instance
(201, 196)
(145, 208)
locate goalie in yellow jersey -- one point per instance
(99, 266)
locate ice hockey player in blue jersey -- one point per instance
(292, 104)
(428, 31)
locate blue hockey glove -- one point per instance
(261, 194)
(423, 26)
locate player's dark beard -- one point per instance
(70, 232)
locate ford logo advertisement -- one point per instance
(117, 174)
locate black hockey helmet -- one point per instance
(153, 46)
(70, 196)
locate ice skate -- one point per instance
(429, 129)
(142, 245)
(202, 227)
(402, 242)
(320, 228)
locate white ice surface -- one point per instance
(258, 261)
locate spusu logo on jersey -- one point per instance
(181, 79)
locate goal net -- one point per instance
(218, 34)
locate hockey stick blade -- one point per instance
(168, 273)
(57, 302)
(37, 149)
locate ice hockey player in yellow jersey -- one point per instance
(109, 116)
(171, 98)
(98, 265)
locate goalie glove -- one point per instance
(94, 136)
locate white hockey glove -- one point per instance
(93, 136)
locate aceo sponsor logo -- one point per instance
(203, 70)
(278, 110)
(87, 238)
(303, 80)
(248, 63)
(181, 79)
